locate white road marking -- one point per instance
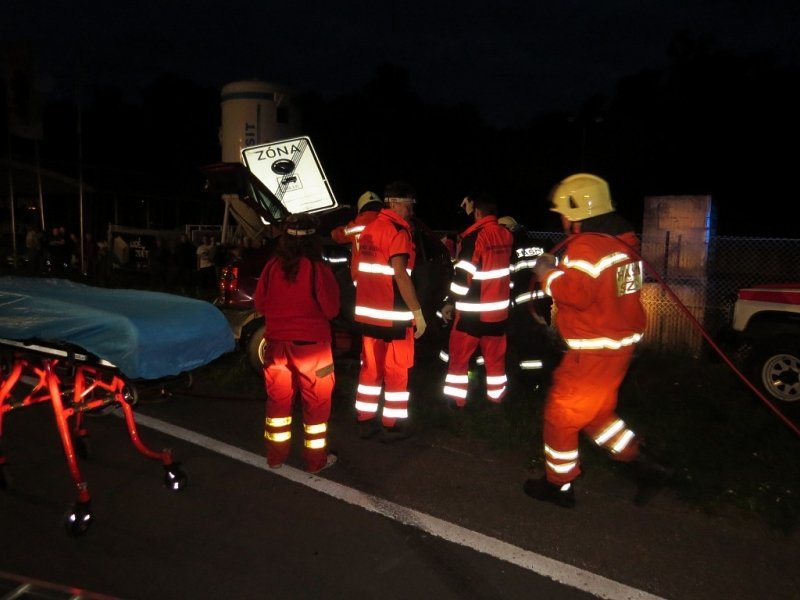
(563, 573)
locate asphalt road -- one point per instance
(430, 517)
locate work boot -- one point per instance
(560, 495)
(369, 429)
(330, 460)
(649, 475)
(396, 433)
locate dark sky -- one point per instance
(512, 59)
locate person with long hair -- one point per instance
(298, 295)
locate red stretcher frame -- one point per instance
(73, 383)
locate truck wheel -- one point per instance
(777, 369)
(255, 349)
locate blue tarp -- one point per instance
(147, 335)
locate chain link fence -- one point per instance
(704, 277)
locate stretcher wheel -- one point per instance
(130, 394)
(79, 518)
(174, 477)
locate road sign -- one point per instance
(291, 170)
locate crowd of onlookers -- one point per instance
(175, 264)
(60, 251)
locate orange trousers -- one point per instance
(462, 346)
(384, 365)
(289, 369)
(583, 397)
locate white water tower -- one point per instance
(255, 112)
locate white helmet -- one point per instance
(581, 196)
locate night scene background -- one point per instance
(660, 98)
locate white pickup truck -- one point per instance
(766, 320)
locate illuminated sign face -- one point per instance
(291, 170)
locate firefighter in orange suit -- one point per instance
(596, 288)
(369, 205)
(389, 315)
(298, 294)
(479, 302)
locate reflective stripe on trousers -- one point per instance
(310, 366)
(462, 346)
(583, 397)
(384, 366)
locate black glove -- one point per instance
(544, 264)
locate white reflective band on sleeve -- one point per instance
(443, 356)
(459, 290)
(467, 266)
(315, 429)
(496, 379)
(609, 432)
(395, 396)
(369, 390)
(315, 444)
(594, 270)
(278, 421)
(451, 378)
(334, 260)
(282, 436)
(386, 315)
(623, 442)
(455, 392)
(493, 274)
(550, 279)
(395, 413)
(530, 364)
(353, 229)
(528, 263)
(603, 343)
(567, 455)
(526, 297)
(367, 407)
(482, 306)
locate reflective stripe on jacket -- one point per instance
(481, 282)
(378, 301)
(597, 292)
(350, 234)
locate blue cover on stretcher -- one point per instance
(146, 335)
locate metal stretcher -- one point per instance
(63, 343)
